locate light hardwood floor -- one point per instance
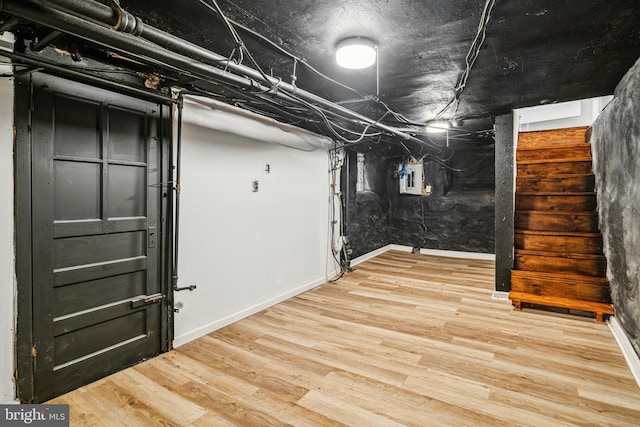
(404, 340)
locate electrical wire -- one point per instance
(296, 59)
(286, 52)
(335, 164)
(230, 28)
(331, 126)
(470, 59)
(464, 169)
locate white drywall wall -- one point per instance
(246, 250)
(7, 276)
(562, 115)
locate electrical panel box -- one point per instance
(411, 178)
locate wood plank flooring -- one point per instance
(405, 339)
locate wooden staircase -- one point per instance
(558, 248)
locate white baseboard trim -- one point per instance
(232, 318)
(434, 252)
(445, 253)
(370, 255)
(501, 295)
(630, 355)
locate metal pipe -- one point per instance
(345, 189)
(90, 9)
(176, 218)
(125, 44)
(9, 25)
(194, 51)
(176, 228)
(52, 37)
(172, 44)
(61, 70)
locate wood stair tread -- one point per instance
(555, 213)
(565, 277)
(551, 136)
(558, 233)
(595, 307)
(555, 193)
(542, 170)
(572, 255)
(567, 175)
(555, 160)
(561, 145)
(553, 176)
(538, 212)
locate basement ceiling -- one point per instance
(535, 52)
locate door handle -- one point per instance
(151, 237)
(147, 300)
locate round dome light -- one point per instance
(356, 53)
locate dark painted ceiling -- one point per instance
(535, 51)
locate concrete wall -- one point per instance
(458, 215)
(247, 250)
(368, 220)
(7, 275)
(616, 152)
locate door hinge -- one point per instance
(34, 352)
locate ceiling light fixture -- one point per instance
(438, 126)
(356, 53)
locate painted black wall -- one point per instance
(367, 221)
(504, 221)
(458, 215)
(616, 159)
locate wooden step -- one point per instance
(553, 153)
(568, 183)
(555, 145)
(560, 242)
(583, 264)
(561, 202)
(556, 221)
(600, 309)
(544, 170)
(564, 285)
(552, 137)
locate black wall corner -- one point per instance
(504, 223)
(367, 212)
(616, 162)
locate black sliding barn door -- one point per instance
(98, 290)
